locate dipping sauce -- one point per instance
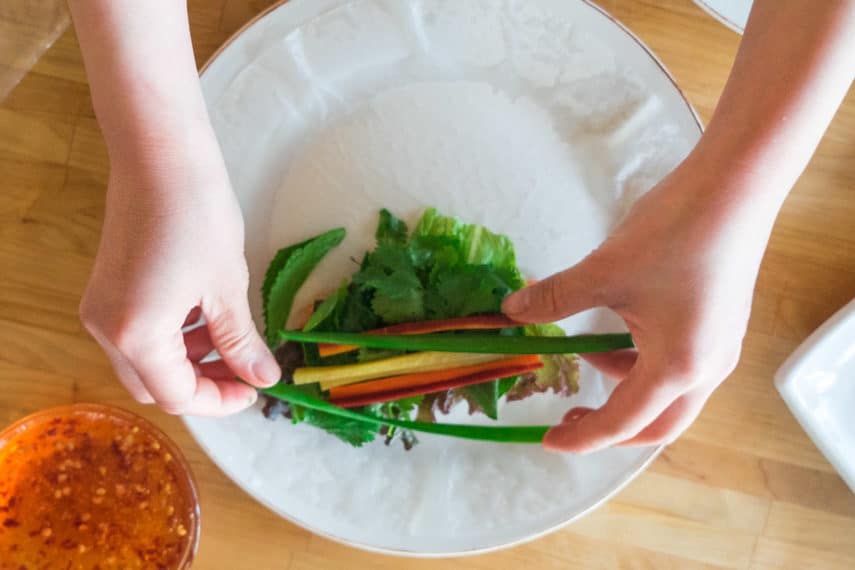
(94, 487)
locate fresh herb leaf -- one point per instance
(400, 300)
(402, 409)
(325, 315)
(276, 266)
(390, 230)
(506, 384)
(347, 429)
(398, 294)
(482, 397)
(286, 275)
(433, 253)
(467, 290)
(357, 314)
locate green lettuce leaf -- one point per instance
(287, 273)
(476, 244)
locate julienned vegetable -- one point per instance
(331, 376)
(472, 343)
(427, 389)
(395, 387)
(478, 322)
(396, 339)
(502, 434)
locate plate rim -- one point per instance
(636, 470)
(715, 14)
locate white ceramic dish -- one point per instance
(818, 384)
(731, 13)
(543, 119)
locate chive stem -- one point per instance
(500, 434)
(474, 343)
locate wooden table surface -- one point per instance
(743, 488)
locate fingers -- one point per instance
(198, 342)
(566, 293)
(162, 364)
(240, 346)
(634, 404)
(220, 398)
(216, 370)
(192, 317)
(124, 370)
(616, 363)
(672, 422)
(576, 414)
(127, 374)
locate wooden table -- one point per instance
(743, 488)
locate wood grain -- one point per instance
(743, 488)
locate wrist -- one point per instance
(169, 163)
(147, 118)
(717, 196)
(738, 175)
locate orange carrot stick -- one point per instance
(477, 322)
(448, 384)
(418, 379)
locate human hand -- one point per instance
(680, 270)
(171, 250)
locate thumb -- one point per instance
(566, 293)
(237, 341)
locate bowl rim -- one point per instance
(109, 411)
(797, 365)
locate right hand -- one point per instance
(171, 250)
(680, 270)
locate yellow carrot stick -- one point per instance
(331, 376)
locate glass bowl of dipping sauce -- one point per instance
(89, 486)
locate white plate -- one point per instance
(731, 13)
(543, 119)
(818, 383)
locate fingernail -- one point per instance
(576, 414)
(516, 303)
(266, 370)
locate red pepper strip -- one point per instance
(476, 378)
(477, 322)
(414, 379)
